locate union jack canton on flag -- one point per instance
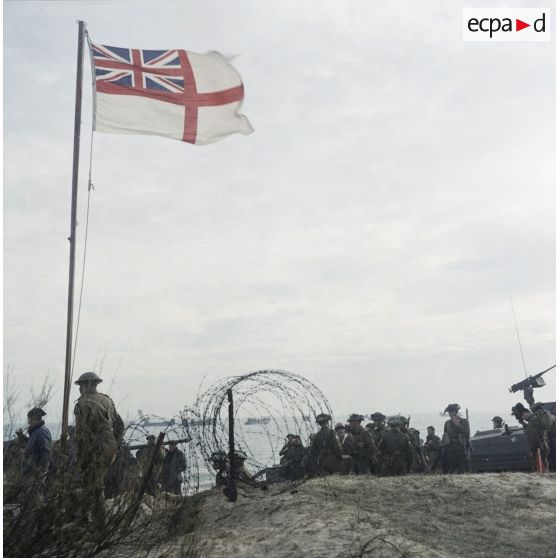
(173, 93)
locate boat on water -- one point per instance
(260, 420)
(198, 422)
(146, 421)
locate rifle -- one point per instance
(141, 446)
(528, 384)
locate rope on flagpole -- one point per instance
(90, 187)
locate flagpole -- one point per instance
(72, 238)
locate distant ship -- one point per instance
(198, 422)
(145, 421)
(261, 420)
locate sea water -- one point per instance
(263, 442)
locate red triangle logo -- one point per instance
(519, 25)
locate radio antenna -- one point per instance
(518, 338)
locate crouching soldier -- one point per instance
(396, 449)
(292, 466)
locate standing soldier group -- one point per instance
(394, 449)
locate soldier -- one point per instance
(341, 433)
(144, 456)
(396, 449)
(433, 449)
(122, 473)
(379, 427)
(174, 464)
(295, 454)
(285, 449)
(360, 446)
(458, 431)
(242, 473)
(218, 462)
(38, 451)
(497, 422)
(326, 454)
(419, 459)
(536, 424)
(99, 431)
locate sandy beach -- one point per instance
(489, 515)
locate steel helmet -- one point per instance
(322, 418)
(88, 377)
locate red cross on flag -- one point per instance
(173, 93)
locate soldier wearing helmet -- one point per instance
(360, 446)
(497, 422)
(99, 431)
(151, 453)
(396, 449)
(378, 428)
(458, 434)
(538, 423)
(325, 456)
(341, 433)
(433, 449)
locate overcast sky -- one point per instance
(397, 191)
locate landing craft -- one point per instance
(261, 420)
(146, 422)
(506, 449)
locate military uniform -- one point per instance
(396, 451)
(419, 464)
(293, 465)
(539, 425)
(144, 457)
(458, 440)
(360, 446)
(325, 456)
(377, 429)
(433, 450)
(99, 430)
(174, 463)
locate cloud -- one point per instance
(397, 191)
